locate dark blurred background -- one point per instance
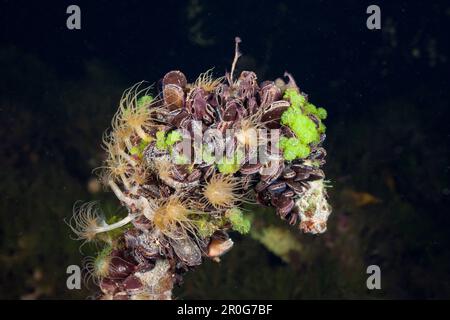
(387, 96)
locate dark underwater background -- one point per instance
(388, 139)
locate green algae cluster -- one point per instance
(297, 118)
(231, 165)
(238, 221)
(234, 216)
(144, 101)
(205, 227)
(102, 258)
(138, 149)
(164, 142)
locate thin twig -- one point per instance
(237, 54)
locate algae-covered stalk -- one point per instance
(184, 161)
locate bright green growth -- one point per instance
(205, 228)
(138, 150)
(163, 142)
(309, 108)
(102, 258)
(306, 130)
(321, 128)
(207, 155)
(144, 101)
(303, 127)
(297, 100)
(230, 166)
(173, 137)
(293, 148)
(239, 223)
(321, 113)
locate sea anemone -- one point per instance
(173, 218)
(135, 112)
(88, 221)
(207, 82)
(107, 264)
(222, 191)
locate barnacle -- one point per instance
(180, 207)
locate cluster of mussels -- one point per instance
(178, 211)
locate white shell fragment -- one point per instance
(314, 208)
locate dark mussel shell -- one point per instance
(247, 84)
(289, 193)
(252, 105)
(283, 204)
(288, 173)
(318, 153)
(297, 187)
(234, 111)
(263, 198)
(121, 296)
(269, 93)
(277, 187)
(119, 268)
(175, 77)
(108, 286)
(173, 96)
(133, 285)
(274, 175)
(179, 118)
(248, 169)
(195, 175)
(261, 185)
(316, 174)
(272, 115)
